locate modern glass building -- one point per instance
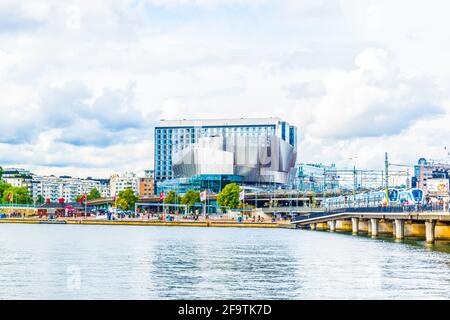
(317, 177)
(173, 137)
(211, 182)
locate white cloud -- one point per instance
(91, 78)
(204, 3)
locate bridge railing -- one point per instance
(391, 209)
(416, 208)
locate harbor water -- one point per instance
(126, 262)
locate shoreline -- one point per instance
(207, 224)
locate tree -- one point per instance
(229, 196)
(171, 197)
(3, 187)
(19, 195)
(190, 198)
(122, 204)
(127, 199)
(94, 194)
(1, 172)
(40, 199)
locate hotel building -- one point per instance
(248, 150)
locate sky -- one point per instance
(83, 83)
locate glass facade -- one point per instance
(317, 177)
(212, 183)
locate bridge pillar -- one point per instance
(374, 227)
(332, 225)
(369, 227)
(312, 226)
(355, 226)
(430, 231)
(399, 229)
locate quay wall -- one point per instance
(154, 223)
(414, 229)
(364, 226)
(385, 227)
(343, 225)
(442, 231)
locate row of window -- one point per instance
(216, 129)
(189, 136)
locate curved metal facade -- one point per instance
(266, 159)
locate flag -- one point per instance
(161, 196)
(82, 198)
(242, 195)
(203, 196)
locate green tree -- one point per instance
(190, 198)
(20, 195)
(1, 172)
(122, 204)
(40, 199)
(172, 197)
(229, 196)
(127, 199)
(94, 194)
(3, 187)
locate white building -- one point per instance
(127, 180)
(105, 190)
(54, 188)
(17, 177)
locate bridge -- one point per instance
(430, 223)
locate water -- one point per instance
(121, 262)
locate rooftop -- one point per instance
(219, 122)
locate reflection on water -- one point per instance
(104, 262)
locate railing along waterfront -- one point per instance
(17, 206)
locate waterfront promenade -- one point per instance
(145, 222)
